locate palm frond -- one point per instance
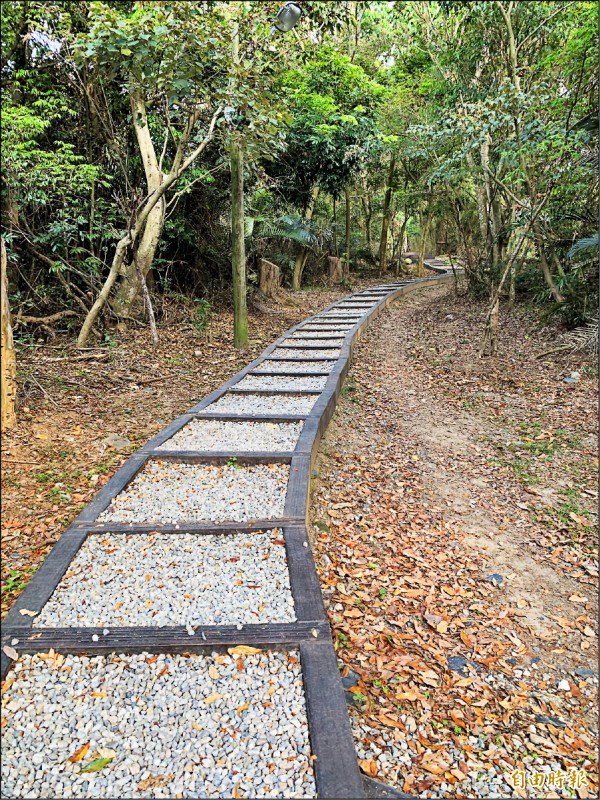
(583, 244)
(584, 339)
(292, 229)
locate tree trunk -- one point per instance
(238, 249)
(130, 286)
(481, 200)
(539, 241)
(8, 372)
(346, 269)
(269, 278)
(335, 238)
(178, 168)
(425, 222)
(367, 213)
(335, 270)
(387, 200)
(303, 252)
(400, 246)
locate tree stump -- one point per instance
(336, 272)
(269, 278)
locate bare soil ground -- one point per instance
(58, 456)
(439, 471)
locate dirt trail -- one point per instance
(431, 482)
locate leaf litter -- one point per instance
(458, 678)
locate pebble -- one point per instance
(212, 435)
(314, 338)
(286, 383)
(173, 579)
(156, 719)
(298, 352)
(564, 686)
(168, 492)
(259, 405)
(293, 366)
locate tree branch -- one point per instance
(542, 23)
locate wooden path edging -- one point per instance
(336, 768)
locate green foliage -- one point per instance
(202, 313)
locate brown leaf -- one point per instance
(213, 672)
(212, 698)
(79, 754)
(369, 767)
(243, 650)
(154, 781)
(392, 723)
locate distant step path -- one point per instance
(174, 643)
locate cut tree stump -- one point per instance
(336, 272)
(269, 278)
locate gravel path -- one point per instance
(315, 337)
(294, 366)
(287, 383)
(155, 579)
(168, 492)
(297, 352)
(261, 405)
(212, 435)
(339, 313)
(176, 726)
(329, 327)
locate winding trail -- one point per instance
(175, 638)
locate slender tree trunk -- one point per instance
(179, 167)
(546, 272)
(480, 193)
(385, 224)
(146, 295)
(238, 249)
(8, 368)
(425, 222)
(238, 245)
(335, 238)
(348, 221)
(367, 213)
(303, 252)
(400, 245)
(130, 285)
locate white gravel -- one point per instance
(293, 366)
(168, 492)
(283, 383)
(339, 313)
(316, 338)
(298, 352)
(123, 580)
(213, 435)
(262, 406)
(176, 729)
(305, 333)
(330, 328)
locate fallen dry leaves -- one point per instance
(403, 565)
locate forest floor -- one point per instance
(82, 414)
(454, 525)
(453, 522)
